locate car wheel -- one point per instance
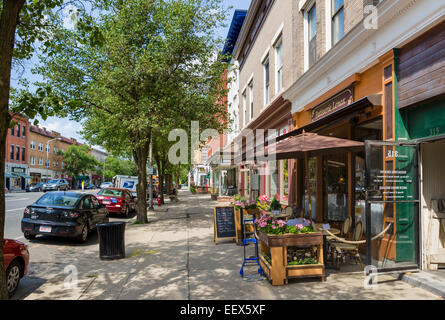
(84, 234)
(13, 274)
(29, 236)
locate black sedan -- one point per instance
(35, 187)
(65, 214)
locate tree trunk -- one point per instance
(8, 24)
(140, 157)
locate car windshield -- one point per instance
(53, 181)
(110, 192)
(58, 199)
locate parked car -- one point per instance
(65, 214)
(56, 184)
(90, 187)
(116, 200)
(16, 257)
(106, 185)
(35, 187)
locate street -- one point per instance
(46, 253)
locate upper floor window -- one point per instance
(32, 160)
(40, 161)
(18, 130)
(32, 145)
(244, 108)
(266, 81)
(338, 20)
(251, 99)
(17, 153)
(47, 148)
(40, 146)
(279, 65)
(11, 150)
(23, 132)
(47, 163)
(55, 150)
(23, 154)
(12, 131)
(312, 34)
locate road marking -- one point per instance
(15, 209)
(7, 200)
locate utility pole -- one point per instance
(150, 180)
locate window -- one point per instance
(55, 150)
(266, 81)
(32, 145)
(11, 150)
(32, 160)
(338, 20)
(63, 165)
(40, 161)
(23, 154)
(244, 108)
(251, 100)
(279, 65)
(17, 153)
(47, 163)
(47, 148)
(312, 34)
(18, 130)
(40, 146)
(23, 132)
(12, 131)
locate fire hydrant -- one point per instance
(159, 199)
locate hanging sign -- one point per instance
(337, 102)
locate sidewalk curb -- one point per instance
(424, 281)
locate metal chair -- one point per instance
(341, 250)
(344, 230)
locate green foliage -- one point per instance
(274, 204)
(116, 166)
(302, 262)
(78, 161)
(192, 189)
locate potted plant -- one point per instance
(275, 206)
(192, 189)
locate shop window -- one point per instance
(312, 172)
(284, 181)
(337, 187)
(273, 179)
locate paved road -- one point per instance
(44, 251)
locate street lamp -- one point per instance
(48, 147)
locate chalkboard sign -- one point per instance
(224, 223)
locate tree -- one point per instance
(22, 23)
(143, 65)
(116, 166)
(78, 161)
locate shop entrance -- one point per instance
(392, 205)
(433, 203)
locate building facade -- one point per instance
(16, 164)
(361, 70)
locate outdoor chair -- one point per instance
(344, 231)
(342, 250)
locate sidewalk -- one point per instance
(174, 257)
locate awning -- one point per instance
(311, 144)
(8, 175)
(23, 175)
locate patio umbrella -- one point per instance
(307, 145)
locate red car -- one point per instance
(16, 263)
(117, 200)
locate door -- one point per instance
(87, 208)
(392, 204)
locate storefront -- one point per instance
(16, 178)
(420, 120)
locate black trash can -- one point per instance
(111, 240)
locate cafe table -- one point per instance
(334, 231)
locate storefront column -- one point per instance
(320, 193)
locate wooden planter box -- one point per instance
(276, 245)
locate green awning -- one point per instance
(23, 175)
(8, 175)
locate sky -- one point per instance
(72, 129)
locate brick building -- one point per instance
(16, 164)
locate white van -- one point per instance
(126, 182)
